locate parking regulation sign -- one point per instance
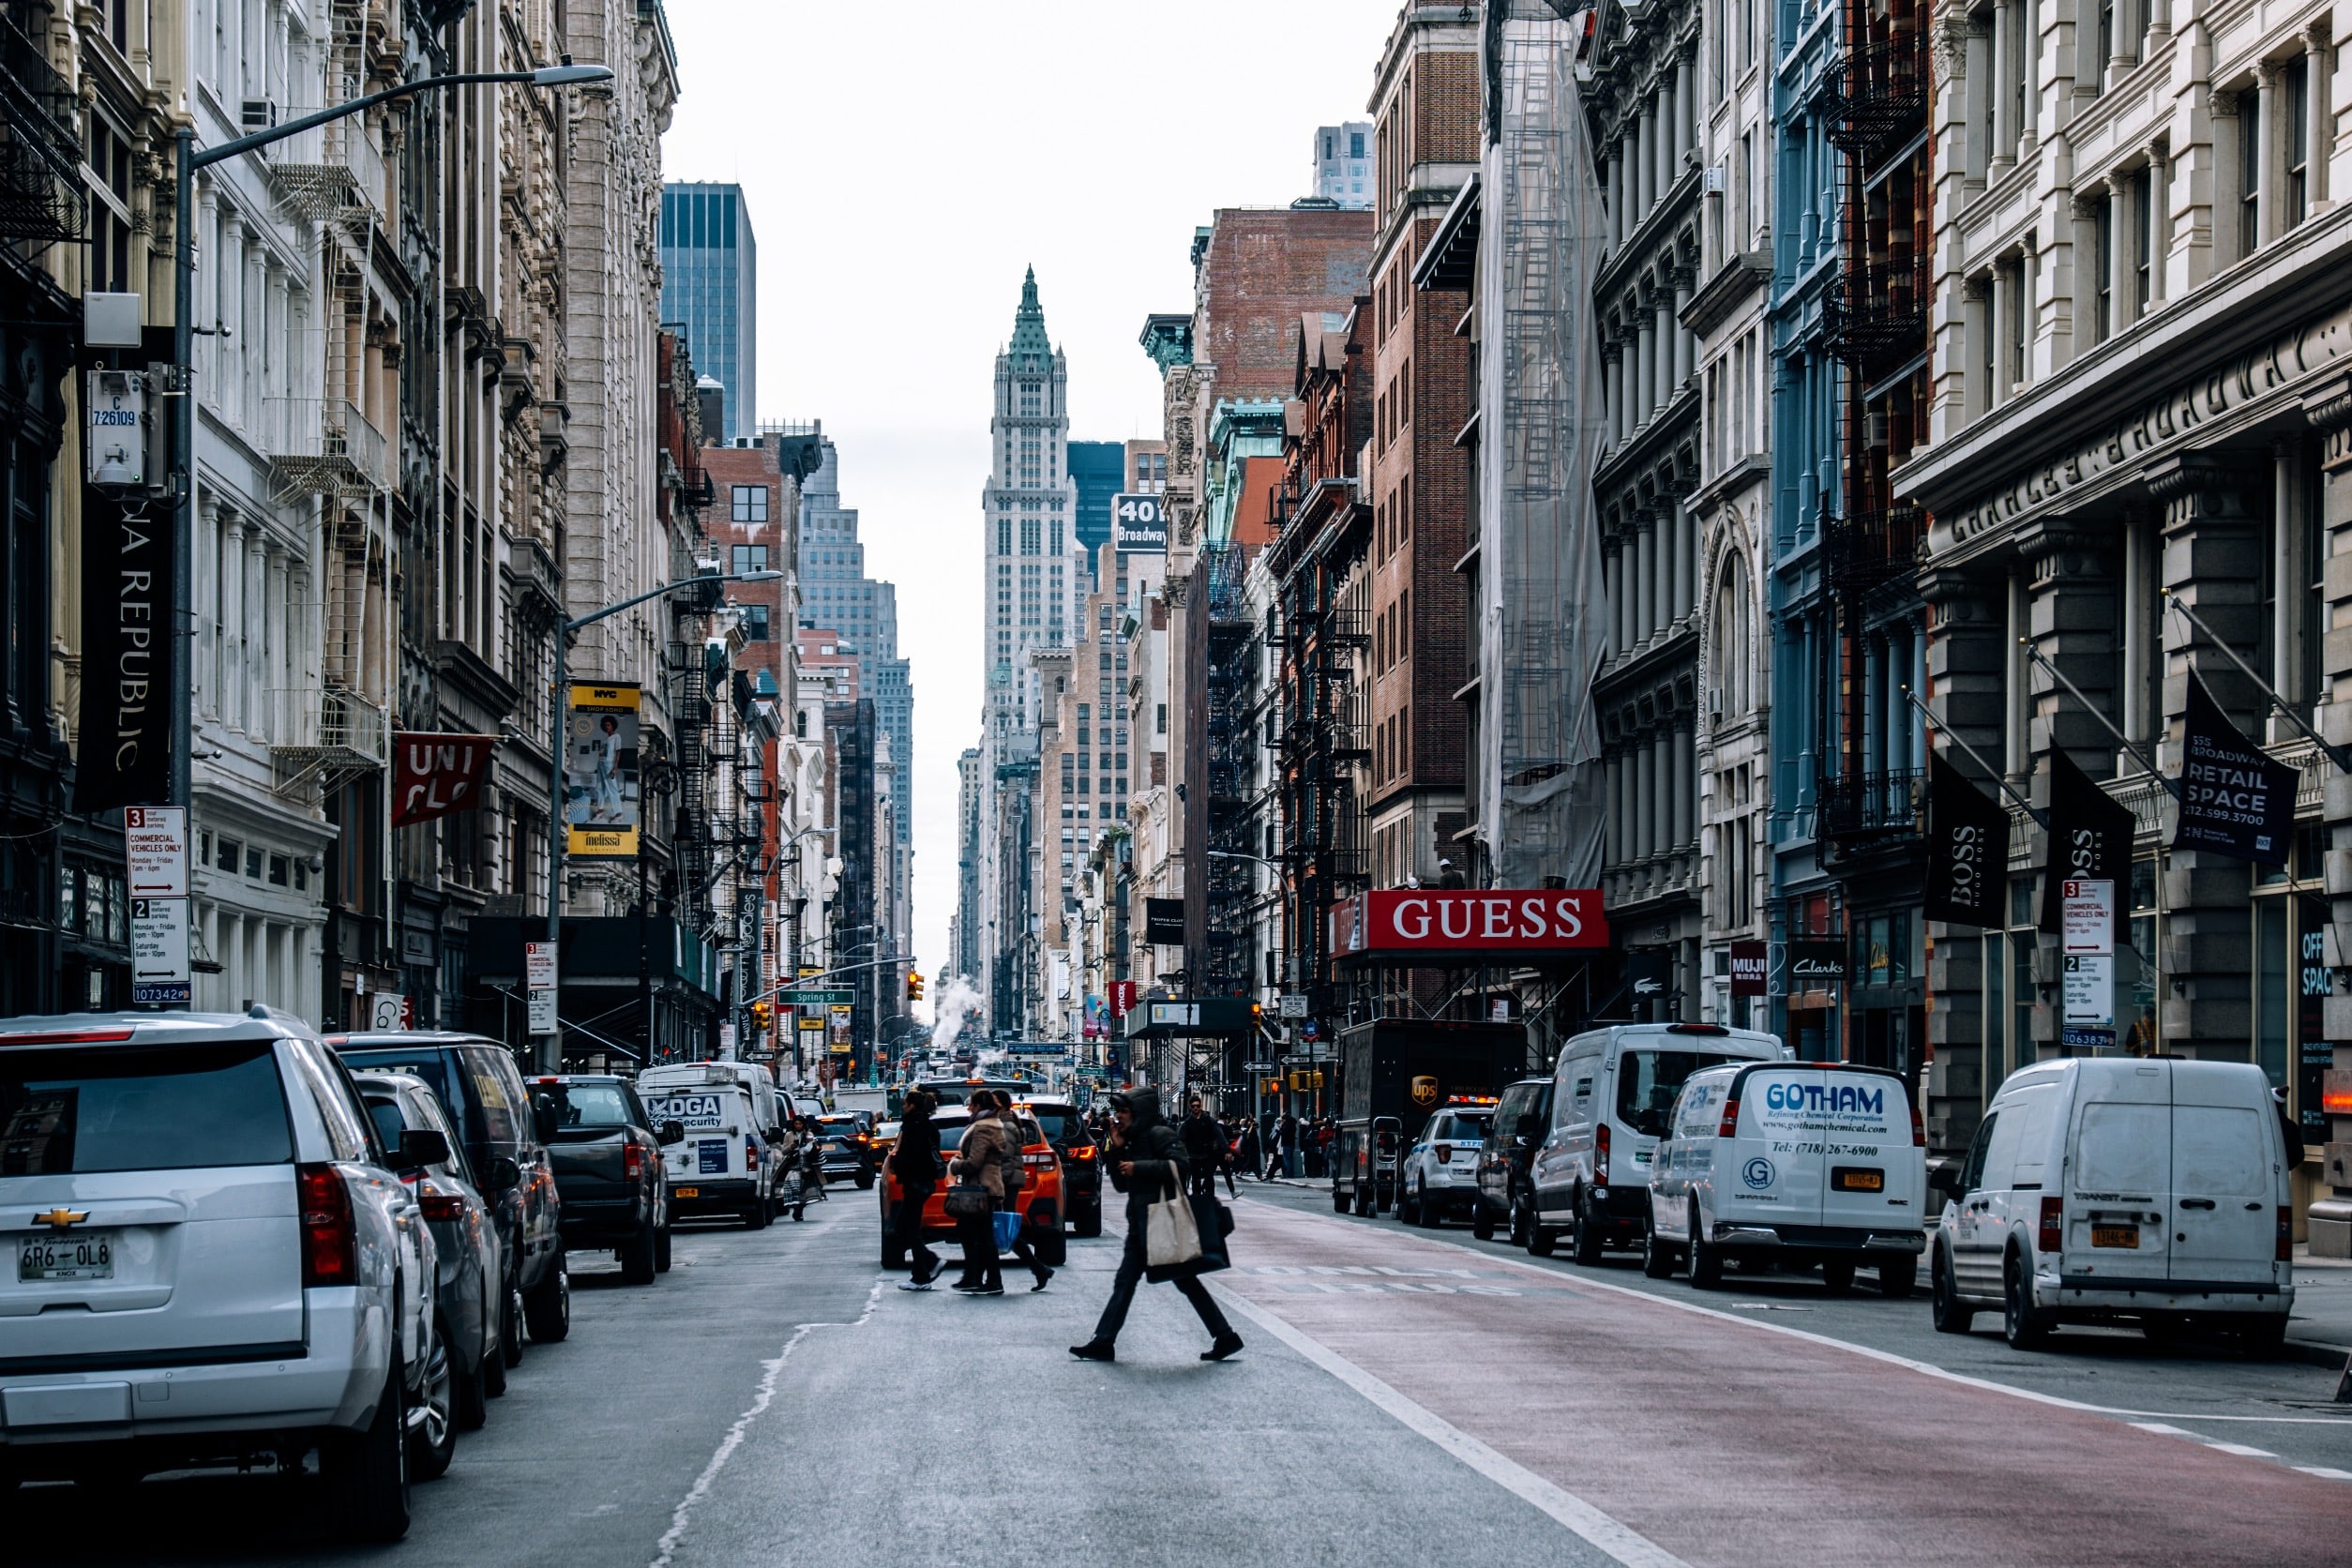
(154, 851)
(159, 952)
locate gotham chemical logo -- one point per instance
(1832, 1099)
(1757, 1172)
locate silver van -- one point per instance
(1794, 1164)
(1613, 1091)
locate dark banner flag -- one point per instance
(2090, 837)
(434, 775)
(1968, 848)
(1164, 922)
(2235, 799)
(126, 656)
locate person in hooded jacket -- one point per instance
(1146, 1160)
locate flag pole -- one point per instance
(2335, 754)
(2073, 690)
(2040, 819)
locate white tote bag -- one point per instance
(1171, 1235)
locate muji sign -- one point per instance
(1494, 920)
(433, 775)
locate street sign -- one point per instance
(538, 986)
(154, 847)
(2086, 914)
(1294, 1005)
(798, 997)
(159, 946)
(1310, 1030)
(387, 1011)
(1258, 1066)
(2088, 988)
(726, 1042)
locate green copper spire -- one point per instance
(1029, 323)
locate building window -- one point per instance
(2103, 262)
(2295, 137)
(755, 622)
(748, 558)
(2143, 223)
(749, 502)
(109, 179)
(2250, 107)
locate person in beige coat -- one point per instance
(980, 1157)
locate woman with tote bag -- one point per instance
(972, 1202)
(1146, 1161)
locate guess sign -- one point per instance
(1501, 920)
(433, 775)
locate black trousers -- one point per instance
(906, 1229)
(1130, 1275)
(1021, 1248)
(977, 1236)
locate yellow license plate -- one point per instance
(1851, 1180)
(2114, 1235)
(685, 1192)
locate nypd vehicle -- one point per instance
(1441, 1170)
(1796, 1162)
(725, 1164)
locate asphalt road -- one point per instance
(1405, 1397)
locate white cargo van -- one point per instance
(725, 1164)
(2103, 1188)
(1612, 1093)
(1796, 1162)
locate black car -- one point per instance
(1506, 1192)
(848, 1147)
(505, 1144)
(606, 1157)
(1081, 1162)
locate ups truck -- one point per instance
(1393, 1073)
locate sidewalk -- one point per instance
(2320, 1330)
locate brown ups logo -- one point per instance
(1424, 1091)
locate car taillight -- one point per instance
(2053, 1237)
(2285, 1253)
(1445, 1154)
(330, 1241)
(1729, 1125)
(438, 1202)
(1083, 1151)
(1600, 1154)
(1038, 1161)
(750, 1155)
(1919, 1130)
(633, 1161)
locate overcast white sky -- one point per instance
(904, 161)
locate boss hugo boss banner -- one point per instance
(128, 656)
(2235, 799)
(1968, 848)
(2090, 837)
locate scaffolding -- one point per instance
(1542, 606)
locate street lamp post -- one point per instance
(551, 1054)
(183, 352)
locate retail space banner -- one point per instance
(125, 757)
(600, 782)
(2090, 839)
(433, 775)
(1968, 848)
(2235, 798)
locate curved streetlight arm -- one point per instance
(550, 76)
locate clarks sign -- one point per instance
(1407, 920)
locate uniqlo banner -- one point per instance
(2090, 839)
(1968, 850)
(2235, 799)
(1403, 921)
(433, 774)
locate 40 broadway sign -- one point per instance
(1409, 920)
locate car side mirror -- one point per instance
(673, 1131)
(1946, 1179)
(505, 1173)
(420, 1147)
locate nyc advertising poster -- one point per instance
(601, 794)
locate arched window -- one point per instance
(1733, 641)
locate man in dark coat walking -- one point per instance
(1204, 1146)
(1147, 1162)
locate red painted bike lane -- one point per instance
(1727, 1444)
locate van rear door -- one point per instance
(2117, 1183)
(2224, 1188)
(1871, 1174)
(1776, 1169)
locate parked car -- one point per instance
(1081, 1161)
(466, 1273)
(1038, 1202)
(476, 1078)
(1612, 1093)
(2107, 1188)
(237, 1274)
(730, 1161)
(1793, 1164)
(607, 1151)
(849, 1149)
(1522, 1116)
(1440, 1171)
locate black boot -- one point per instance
(1227, 1343)
(1095, 1349)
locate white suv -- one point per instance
(1440, 1174)
(209, 1258)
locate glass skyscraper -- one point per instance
(1097, 468)
(710, 287)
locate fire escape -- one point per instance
(1233, 744)
(41, 145)
(1876, 315)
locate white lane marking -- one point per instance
(1619, 1542)
(2159, 1427)
(2325, 1473)
(2239, 1448)
(735, 1433)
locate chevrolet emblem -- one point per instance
(60, 1218)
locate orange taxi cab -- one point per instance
(1039, 1201)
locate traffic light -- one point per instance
(914, 986)
(762, 1014)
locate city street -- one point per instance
(1403, 1396)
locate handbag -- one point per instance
(968, 1200)
(1171, 1235)
(1213, 1221)
(1008, 1228)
